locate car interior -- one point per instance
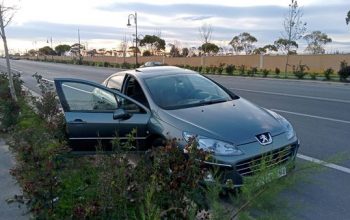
(134, 91)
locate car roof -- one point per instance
(149, 72)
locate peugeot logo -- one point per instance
(264, 138)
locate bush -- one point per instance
(300, 71)
(207, 69)
(187, 66)
(220, 68)
(125, 66)
(277, 71)
(200, 68)
(265, 72)
(106, 64)
(327, 73)
(213, 69)
(253, 71)
(241, 70)
(9, 109)
(313, 76)
(230, 69)
(344, 71)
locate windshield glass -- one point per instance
(183, 91)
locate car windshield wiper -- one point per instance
(213, 101)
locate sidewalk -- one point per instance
(9, 187)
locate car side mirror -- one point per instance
(121, 114)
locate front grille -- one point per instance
(271, 159)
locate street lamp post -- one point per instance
(134, 16)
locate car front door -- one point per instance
(94, 112)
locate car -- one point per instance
(152, 63)
(168, 102)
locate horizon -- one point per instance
(102, 23)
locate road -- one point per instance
(319, 112)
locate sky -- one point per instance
(102, 23)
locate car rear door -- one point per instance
(90, 109)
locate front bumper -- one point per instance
(232, 175)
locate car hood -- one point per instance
(237, 121)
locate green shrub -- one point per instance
(241, 70)
(126, 66)
(344, 71)
(313, 76)
(106, 64)
(265, 72)
(187, 66)
(116, 65)
(200, 68)
(277, 71)
(252, 71)
(328, 73)
(300, 71)
(213, 69)
(207, 69)
(230, 69)
(220, 68)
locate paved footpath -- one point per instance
(9, 188)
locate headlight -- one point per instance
(289, 128)
(213, 146)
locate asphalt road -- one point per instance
(319, 112)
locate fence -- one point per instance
(316, 63)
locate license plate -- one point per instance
(278, 173)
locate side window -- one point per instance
(83, 97)
(116, 82)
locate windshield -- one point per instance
(183, 91)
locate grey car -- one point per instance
(169, 102)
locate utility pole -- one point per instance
(79, 47)
(136, 41)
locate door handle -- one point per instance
(77, 121)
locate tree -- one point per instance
(124, 47)
(146, 53)
(205, 32)
(209, 48)
(185, 52)
(265, 50)
(76, 48)
(294, 28)
(153, 43)
(61, 49)
(32, 52)
(6, 15)
(46, 51)
(236, 44)
(174, 51)
(243, 41)
(347, 19)
(286, 46)
(316, 41)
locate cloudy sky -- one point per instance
(102, 23)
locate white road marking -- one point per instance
(324, 163)
(312, 116)
(292, 95)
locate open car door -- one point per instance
(95, 112)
